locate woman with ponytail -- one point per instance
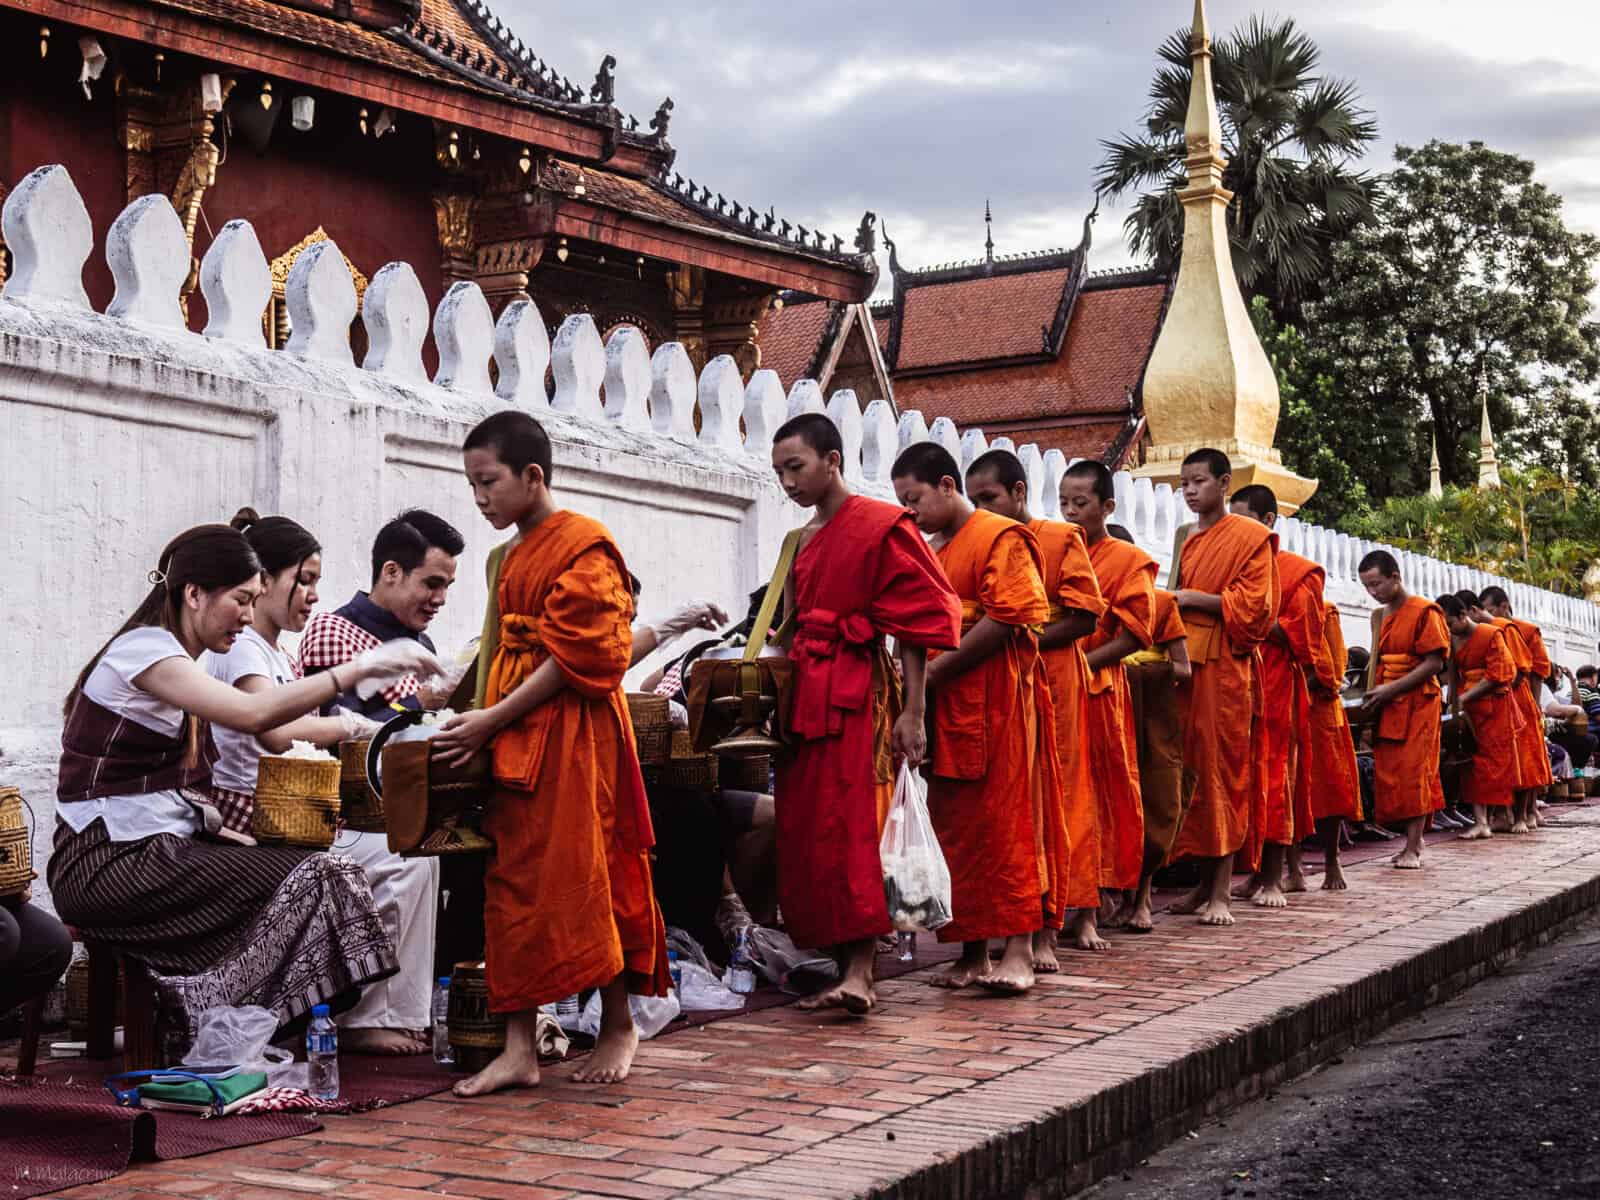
(142, 861)
(393, 1016)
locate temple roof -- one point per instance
(812, 339)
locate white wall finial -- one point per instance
(463, 330)
(765, 410)
(1055, 469)
(627, 380)
(1003, 443)
(806, 397)
(49, 234)
(943, 431)
(672, 387)
(395, 313)
(913, 428)
(522, 354)
(973, 446)
(1033, 471)
(879, 443)
(321, 298)
(148, 254)
(237, 285)
(579, 364)
(844, 410)
(721, 396)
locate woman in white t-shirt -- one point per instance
(135, 864)
(393, 1016)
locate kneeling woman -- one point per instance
(134, 866)
(393, 1016)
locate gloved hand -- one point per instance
(702, 614)
(354, 726)
(677, 714)
(375, 669)
(436, 693)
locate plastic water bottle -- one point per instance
(906, 947)
(741, 976)
(442, 1051)
(322, 1054)
(675, 971)
(568, 1011)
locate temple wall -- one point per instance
(119, 429)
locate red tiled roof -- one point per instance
(978, 320)
(789, 339)
(880, 326)
(1093, 440)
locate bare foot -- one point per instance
(1013, 974)
(1519, 827)
(1333, 876)
(1045, 961)
(855, 998)
(1139, 920)
(612, 1057)
(1407, 860)
(1216, 912)
(1476, 834)
(1295, 881)
(962, 972)
(1193, 902)
(1249, 887)
(1086, 933)
(1271, 896)
(506, 1071)
(387, 1042)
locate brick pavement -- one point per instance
(965, 1095)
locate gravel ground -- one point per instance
(1492, 1096)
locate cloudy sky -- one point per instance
(921, 109)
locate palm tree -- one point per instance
(1290, 137)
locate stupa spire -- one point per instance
(1488, 463)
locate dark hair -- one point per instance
(1098, 473)
(1469, 598)
(815, 430)
(1258, 498)
(1215, 461)
(1587, 672)
(1358, 657)
(1381, 561)
(516, 439)
(1493, 594)
(927, 462)
(406, 540)
(209, 557)
(1120, 532)
(1005, 466)
(1452, 605)
(278, 542)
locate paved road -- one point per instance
(1492, 1096)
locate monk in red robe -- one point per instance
(997, 483)
(1126, 575)
(1535, 669)
(1228, 594)
(986, 803)
(1483, 674)
(862, 573)
(1293, 653)
(568, 898)
(1336, 791)
(1407, 659)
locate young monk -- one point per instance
(1126, 575)
(1408, 657)
(1483, 673)
(1533, 667)
(1336, 794)
(568, 897)
(1293, 654)
(861, 573)
(1154, 678)
(1076, 841)
(986, 730)
(1228, 594)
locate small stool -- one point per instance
(139, 1049)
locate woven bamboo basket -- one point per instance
(746, 774)
(297, 801)
(687, 770)
(652, 727)
(78, 997)
(476, 1035)
(16, 849)
(361, 807)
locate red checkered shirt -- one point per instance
(331, 640)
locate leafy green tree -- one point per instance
(1291, 137)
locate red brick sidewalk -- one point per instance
(946, 1094)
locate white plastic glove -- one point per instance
(702, 614)
(382, 665)
(437, 692)
(354, 726)
(677, 714)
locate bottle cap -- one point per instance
(672, 956)
(444, 981)
(319, 1010)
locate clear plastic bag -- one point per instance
(651, 1014)
(916, 879)
(242, 1037)
(704, 992)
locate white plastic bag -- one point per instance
(651, 1014)
(704, 992)
(242, 1037)
(916, 879)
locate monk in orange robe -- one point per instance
(1293, 653)
(989, 810)
(1535, 670)
(1533, 758)
(1336, 787)
(1407, 659)
(1483, 674)
(568, 898)
(1155, 679)
(1127, 582)
(1228, 594)
(997, 483)
(862, 573)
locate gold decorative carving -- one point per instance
(277, 317)
(732, 327)
(455, 215)
(502, 268)
(686, 292)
